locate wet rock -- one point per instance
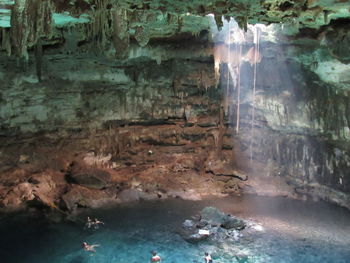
(230, 222)
(212, 225)
(188, 224)
(212, 215)
(235, 234)
(218, 234)
(202, 223)
(195, 238)
(191, 233)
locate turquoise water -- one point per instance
(294, 232)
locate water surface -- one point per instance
(295, 231)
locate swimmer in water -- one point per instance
(96, 223)
(88, 223)
(88, 247)
(207, 258)
(155, 257)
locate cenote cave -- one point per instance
(203, 131)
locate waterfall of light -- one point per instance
(234, 60)
(256, 54)
(228, 64)
(239, 88)
(237, 49)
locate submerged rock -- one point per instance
(242, 258)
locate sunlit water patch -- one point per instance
(293, 232)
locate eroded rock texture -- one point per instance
(100, 124)
(125, 103)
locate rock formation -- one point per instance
(212, 225)
(120, 100)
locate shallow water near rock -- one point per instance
(295, 231)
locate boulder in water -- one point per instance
(203, 223)
(212, 215)
(213, 225)
(188, 224)
(231, 222)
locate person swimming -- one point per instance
(88, 223)
(96, 223)
(207, 258)
(155, 257)
(88, 247)
(93, 223)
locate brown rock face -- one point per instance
(125, 133)
(130, 106)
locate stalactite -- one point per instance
(253, 56)
(5, 40)
(19, 29)
(243, 23)
(38, 58)
(121, 37)
(325, 16)
(142, 34)
(218, 21)
(100, 30)
(30, 20)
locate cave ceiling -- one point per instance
(24, 22)
(309, 13)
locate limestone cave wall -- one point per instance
(80, 127)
